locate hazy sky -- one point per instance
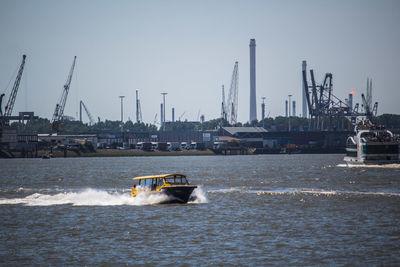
(188, 49)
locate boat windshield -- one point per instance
(176, 180)
(152, 183)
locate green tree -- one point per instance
(390, 121)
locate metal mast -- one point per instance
(304, 106)
(163, 111)
(59, 110)
(263, 111)
(232, 105)
(223, 107)
(10, 104)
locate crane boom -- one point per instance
(155, 119)
(87, 112)
(181, 115)
(59, 110)
(10, 104)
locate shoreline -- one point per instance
(141, 153)
(114, 153)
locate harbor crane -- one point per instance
(328, 112)
(198, 116)
(181, 116)
(223, 107)
(81, 104)
(56, 122)
(232, 105)
(10, 103)
(370, 111)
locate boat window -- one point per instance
(176, 180)
(380, 149)
(147, 182)
(160, 182)
(154, 184)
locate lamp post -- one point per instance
(289, 110)
(163, 116)
(263, 111)
(122, 107)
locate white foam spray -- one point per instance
(383, 166)
(88, 197)
(94, 197)
(199, 196)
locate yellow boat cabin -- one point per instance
(175, 186)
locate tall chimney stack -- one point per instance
(286, 108)
(294, 108)
(351, 102)
(253, 104)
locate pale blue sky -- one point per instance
(188, 49)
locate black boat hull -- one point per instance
(178, 194)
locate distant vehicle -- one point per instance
(184, 145)
(101, 146)
(147, 146)
(193, 145)
(124, 146)
(154, 145)
(219, 145)
(139, 145)
(173, 146)
(162, 146)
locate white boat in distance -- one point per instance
(372, 145)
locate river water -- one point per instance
(250, 210)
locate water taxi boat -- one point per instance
(174, 185)
(372, 145)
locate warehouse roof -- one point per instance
(234, 130)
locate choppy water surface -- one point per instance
(250, 210)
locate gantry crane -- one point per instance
(10, 103)
(56, 122)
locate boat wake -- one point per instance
(321, 192)
(295, 191)
(383, 166)
(94, 197)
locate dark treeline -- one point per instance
(42, 125)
